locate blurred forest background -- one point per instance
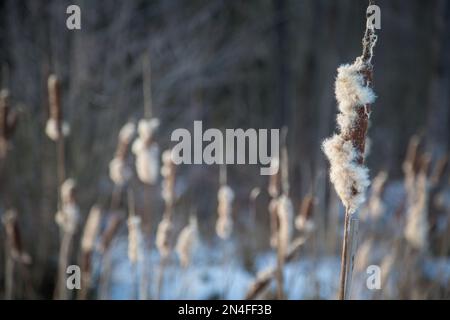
(232, 64)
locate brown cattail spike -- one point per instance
(14, 238)
(8, 121)
(54, 97)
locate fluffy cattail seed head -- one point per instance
(146, 151)
(345, 150)
(91, 229)
(304, 221)
(55, 127)
(14, 238)
(375, 207)
(224, 224)
(134, 238)
(119, 170)
(285, 214)
(417, 225)
(163, 237)
(69, 214)
(186, 242)
(275, 179)
(168, 174)
(110, 231)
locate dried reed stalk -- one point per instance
(225, 198)
(165, 228)
(114, 221)
(56, 128)
(283, 212)
(88, 239)
(8, 122)
(186, 241)
(147, 86)
(264, 278)
(67, 215)
(119, 169)
(304, 221)
(417, 225)
(67, 218)
(14, 251)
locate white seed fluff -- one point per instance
(147, 152)
(417, 227)
(51, 129)
(349, 178)
(285, 214)
(224, 225)
(119, 171)
(163, 235)
(127, 132)
(167, 172)
(186, 242)
(91, 229)
(68, 218)
(134, 239)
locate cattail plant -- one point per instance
(67, 219)
(346, 149)
(375, 207)
(417, 226)
(187, 241)
(265, 277)
(165, 227)
(274, 192)
(168, 183)
(281, 211)
(134, 238)
(15, 253)
(56, 128)
(225, 198)
(88, 240)
(119, 169)
(411, 164)
(135, 247)
(163, 237)
(120, 173)
(145, 147)
(146, 151)
(106, 238)
(67, 215)
(8, 121)
(304, 222)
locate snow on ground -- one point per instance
(212, 276)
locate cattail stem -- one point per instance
(54, 93)
(344, 255)
(160, 281)
(144, 283)
(349, 246)
(353, 241)
(280, 266)
(147, 86)
(9, 272)
(63, 261)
